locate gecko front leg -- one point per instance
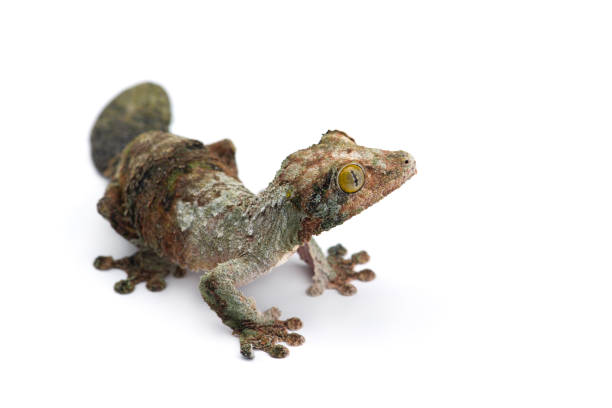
(333, 271)
(254, 329)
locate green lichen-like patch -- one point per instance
(173, 177)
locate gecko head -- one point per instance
(337, 179)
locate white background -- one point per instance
(494, 271)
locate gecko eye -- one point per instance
(351, 178)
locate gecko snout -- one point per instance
(407, 162)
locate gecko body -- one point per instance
(182, 204)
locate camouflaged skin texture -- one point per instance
(182, 204)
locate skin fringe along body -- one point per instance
(182, 204)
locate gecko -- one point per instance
(182, 204)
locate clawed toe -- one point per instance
(124, 287)
(347, 289)
(272, 313)
(366, 275)
(293, 324)
(155, 284)
(360, 257)
(278, 351)
(294, 339)
(103, 263)
(318, 287)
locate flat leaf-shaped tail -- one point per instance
(136, 110)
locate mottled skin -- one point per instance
(182, 204)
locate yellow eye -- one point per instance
(351, 178)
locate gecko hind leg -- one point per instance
(333, 271)
(143, 266)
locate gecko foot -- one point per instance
(344, 272)
(143, 266)
(264, 336)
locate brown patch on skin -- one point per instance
(226, 151)
(110, 207)
(309, 227)
(305, 255)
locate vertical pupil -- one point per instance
(355, 179)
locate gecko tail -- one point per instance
(138, 109)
